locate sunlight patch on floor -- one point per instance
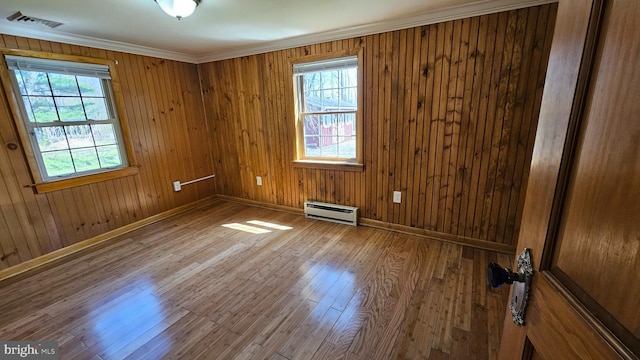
(125, 317)
(269, 225)
(247, 228)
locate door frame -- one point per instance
(569, 69)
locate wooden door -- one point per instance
(582, 209)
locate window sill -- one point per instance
(328, 165)
(84, 180)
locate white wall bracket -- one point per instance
(177, 185)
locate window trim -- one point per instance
(327, 163)
(39, 184)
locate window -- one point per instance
(328, 121)
(69, 115)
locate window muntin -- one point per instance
(327, 104)
(69, 115)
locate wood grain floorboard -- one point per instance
(231, 281)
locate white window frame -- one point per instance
(327, 62)
(70, 65)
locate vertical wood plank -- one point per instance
(46, 222)
(450, 114)
(442, 111)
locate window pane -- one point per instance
(327, 78)
(313, 101)
(330, 146)
(349, 121)
(335, 90)
(63, 85)
(85, 159)
(104, 134)
(90, 86)
(96, 108)
(36, 83)
(43, 108)
(311, 146)
(330, 136)
(79, 136)
(347, 147)
(311, 81)
(83, 141)
(329, 122)
(330, 100)
(51, 138)
(27, 107)
(349, 99)
(70, 108)
(20, 82)
(351, 76)
(312, 125)
(109, 156)
(58, 163)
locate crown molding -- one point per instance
(478, 8)
(93, 42)
(483, 7)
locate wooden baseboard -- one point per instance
(47, 261)
(284, 208)
(461, 240)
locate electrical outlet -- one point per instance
(259, 180)
(397, 197)
(176, 186)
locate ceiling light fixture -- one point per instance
(178, 8)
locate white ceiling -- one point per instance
(222, 29)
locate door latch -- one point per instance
(521, 280)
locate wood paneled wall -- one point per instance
(164, 108)
(449, 118)
(450, 112)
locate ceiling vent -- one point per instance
(18, 17)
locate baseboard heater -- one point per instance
(340, 214)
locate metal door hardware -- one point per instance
(521, 280)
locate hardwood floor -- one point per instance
(227, 280)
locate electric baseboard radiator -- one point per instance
(330, 212)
